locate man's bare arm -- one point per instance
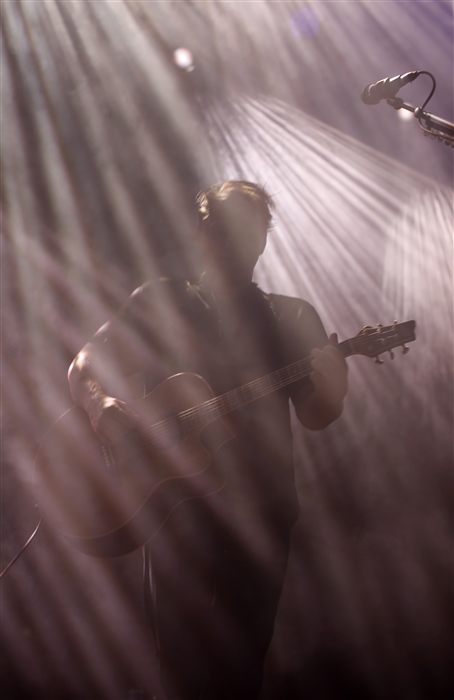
(95, 380)
(320, 405)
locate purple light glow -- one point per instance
(305, 23)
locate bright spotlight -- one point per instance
(184, 59)
(405, 115)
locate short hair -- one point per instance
(210, 202)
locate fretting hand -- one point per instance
(330, 372)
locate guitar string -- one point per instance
(218, 405)
(191, 418)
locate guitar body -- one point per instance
(109, 501)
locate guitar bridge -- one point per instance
(111, 465)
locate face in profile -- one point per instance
(232, 239)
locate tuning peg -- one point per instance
(391, 354)
(405, 349)
(378, 361)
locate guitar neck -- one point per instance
(370, 342)
(199, 416)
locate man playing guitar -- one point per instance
(218, 562)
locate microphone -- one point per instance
(387, 88)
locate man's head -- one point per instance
(217, 202)
(234, 219)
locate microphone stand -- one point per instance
(435, 127)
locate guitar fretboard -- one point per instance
(197, 417)
(371, 343)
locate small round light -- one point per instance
(184, 59)
(405, 115)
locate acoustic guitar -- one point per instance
(107, 501)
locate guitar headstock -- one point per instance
(372, 342)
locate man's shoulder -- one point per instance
(298, 321)
(158, 285)
(165, 300)
(155, 291)
(285, 307)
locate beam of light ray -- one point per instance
(39, 275)
(398, 26)
(87, 88)
(388, 232)
(151, 159)
(348, 224)
(97, 590)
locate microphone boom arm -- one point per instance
(435, 126)
(388, 88)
